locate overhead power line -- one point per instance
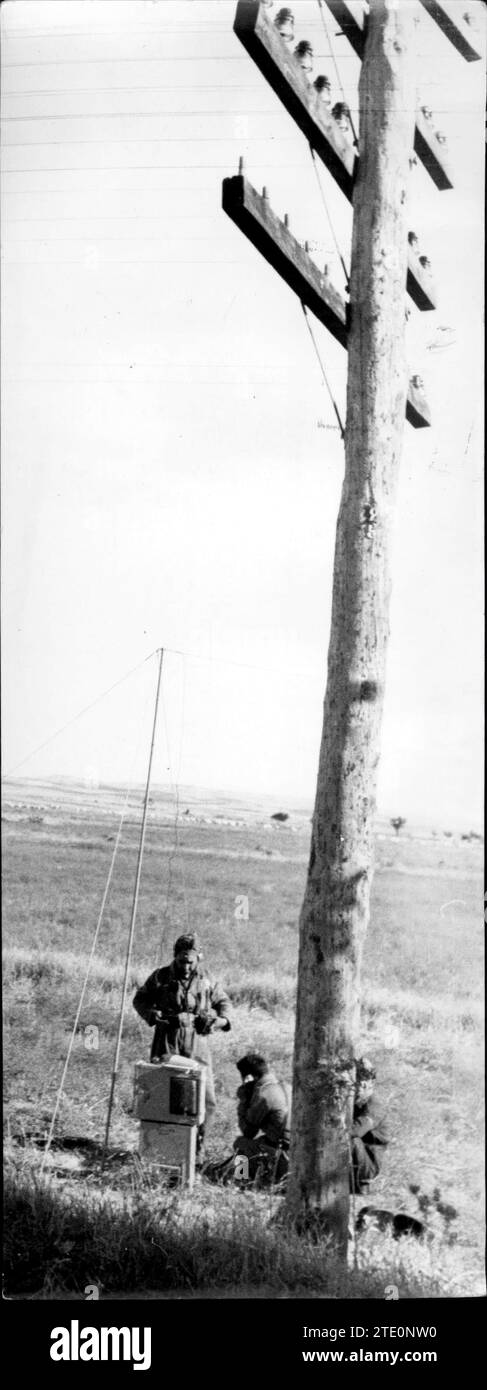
(122, 168)
(140, 87)
(118, 217)
(179, 112)
(57, 265)
(193, 190)
(173, 58)
(85, 237)
(166, 58)
(149, 140)
(179, 30)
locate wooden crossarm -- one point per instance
(449, 17)
(278, 65)
(426, 146)
(252, 212)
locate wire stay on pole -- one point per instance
(325, 378)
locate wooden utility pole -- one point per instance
(335, 911)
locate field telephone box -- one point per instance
(169, 1102)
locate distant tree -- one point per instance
(398, 822)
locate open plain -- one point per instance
(228, 870)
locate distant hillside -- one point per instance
(78, 797)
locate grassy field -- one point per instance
(421, 1022)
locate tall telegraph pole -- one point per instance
(335, 911)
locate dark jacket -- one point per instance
(180, 1004)
(367, 1127)
(265, 1105)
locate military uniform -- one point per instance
(186, 1008)
(368, 1135)
(264, 1117)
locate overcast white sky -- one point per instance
(170, 474)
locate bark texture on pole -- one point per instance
(335, 911)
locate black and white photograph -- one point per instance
(242, 620)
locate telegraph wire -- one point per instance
(330, 223)
(334, 61)
(150, 140)
(173, 58)
(85, 237)
(151, 115)
(122, 168)
(156, 260)
(178, 30)
(77, 716)
(118, 217)
(139, 87)
(92, 62)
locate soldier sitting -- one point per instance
(368, 1132)
(264, 1115)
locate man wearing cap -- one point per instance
(368, 1132)
(264, 1117)
(183, 1006)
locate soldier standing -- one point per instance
(184, 1007)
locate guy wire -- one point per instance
(325, 378)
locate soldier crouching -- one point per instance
(369, 1134)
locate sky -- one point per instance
(171, 465)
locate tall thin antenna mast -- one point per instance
(132, 920)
